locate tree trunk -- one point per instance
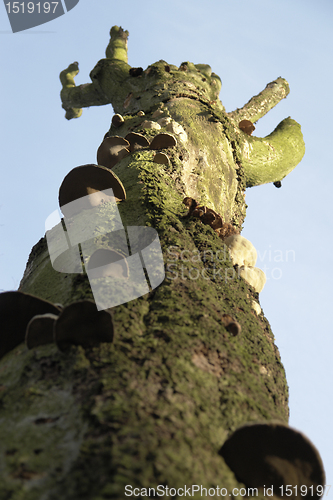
(155, 406)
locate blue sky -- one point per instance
(248, 44)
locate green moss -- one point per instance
(272, 158)
(155, 406)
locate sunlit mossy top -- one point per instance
(132, 89)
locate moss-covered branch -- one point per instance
(108, 79)
(117, 48)
(271, 158)
(74, 98)
(260, 104)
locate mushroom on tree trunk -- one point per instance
(155, 406)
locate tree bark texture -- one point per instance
(156, 405)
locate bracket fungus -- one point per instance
(105, 262)
(40, 330)
(158, 113)
(112, 150)
(175, 128)
(231, 325)
(227, 230)
(117, 120)
(253, 276)
(88, 180)
(151, 125)
(213, 219)
(161, 158)
(164, 121)
(82, 324)
(246, 126)
(209, 217)
(256, 307)
(275, 455)
(16, 311)
(241, 250)
(136, 141)
(191, 204)
(163, 141)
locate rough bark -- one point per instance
(155, 406)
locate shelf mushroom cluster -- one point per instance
(40, 322)
(244, 256)
(158, 121)
(115, 148)
(210, 217)
(242, 252)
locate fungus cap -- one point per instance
(88, 180)
(40, 330)
(209, 217)
(253, 276)
(217, 223)
(112, 150)
(256, 307)
(81, 323)
(189, 202)
(164, 121)
(163, 141)
(161, 158)
(106, 262)
(231, 325)
(241, 250)
(16, 310)
(158, 113)
(276, 455)
(176, 128)
(117, 120)
(136, 141)
(150, 124)
(246, 126)
(226, 231)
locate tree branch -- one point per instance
(108, 75)
(260, 104)
(75, 98)
(271, 158)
